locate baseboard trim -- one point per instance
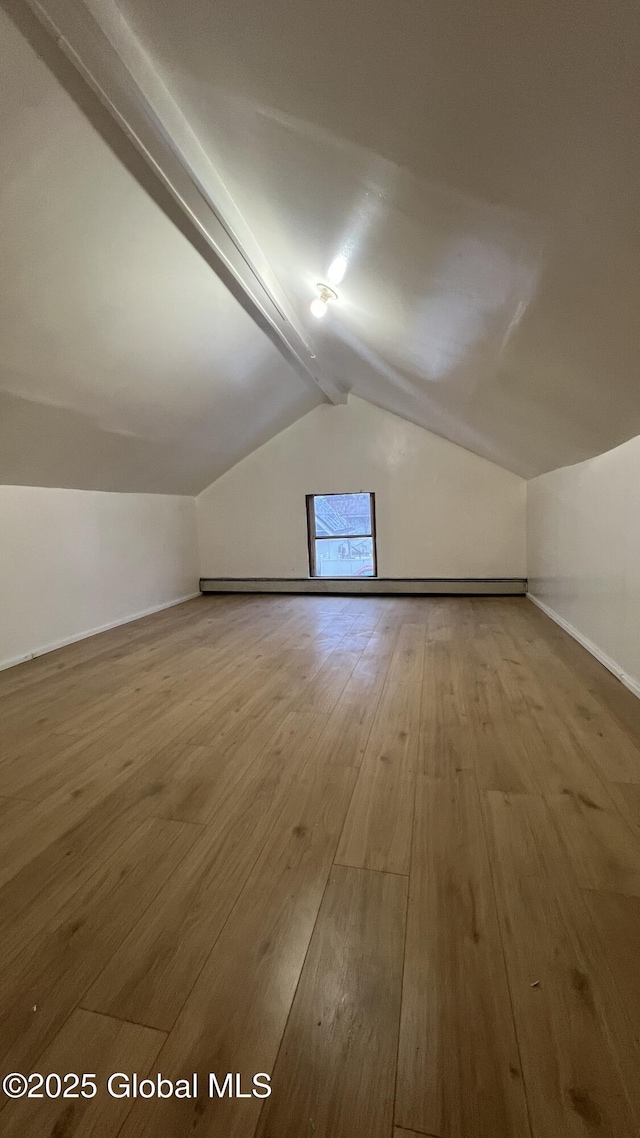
(629, 682)
(11, 661)
(362, 586)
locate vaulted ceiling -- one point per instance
(476, 167)
(125, 362)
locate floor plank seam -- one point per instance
(404, 958)
(98, 870)
(229, 914)
(184, 821)
(418, 1133)
(338, 839)
(498, 917)
(140, 915)
(286, 709)
(371, 869)
(118, 1019)
(606, 892)
(297, 985)
(406, 915)
(365, 742)
(622, 995)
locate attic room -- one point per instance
(319, 569)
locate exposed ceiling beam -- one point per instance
(105, 51)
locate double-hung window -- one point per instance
(342, 535)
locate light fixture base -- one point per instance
(325, 292)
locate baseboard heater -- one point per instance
(362, 586)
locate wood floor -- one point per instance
(386, 851)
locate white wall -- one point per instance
(441, 510)
(75, 561)
(584, 554)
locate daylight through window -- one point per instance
(342, 532)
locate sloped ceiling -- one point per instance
(125, 364)
(479, 166)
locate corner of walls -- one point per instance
(583, 553)
(78, 562)
(629, 682)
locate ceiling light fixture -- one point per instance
(319, 305)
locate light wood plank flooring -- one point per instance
(386, 851)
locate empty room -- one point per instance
(319, 569)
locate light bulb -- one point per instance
(319, 305)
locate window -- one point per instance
(342, 535)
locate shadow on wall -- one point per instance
(46, 445)
(43, 445)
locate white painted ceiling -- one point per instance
(480, 164)
(125, 364)
(477, 164)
